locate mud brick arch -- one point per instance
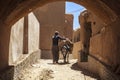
(12, 10)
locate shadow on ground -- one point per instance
(84, 71)
(60, 63)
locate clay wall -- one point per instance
(103, 43)
(17, 35)
(52, 18)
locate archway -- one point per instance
(18, 9)
(15, 12)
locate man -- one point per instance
(55, 48)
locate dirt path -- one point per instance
(45, 70)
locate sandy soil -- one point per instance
(45, 70)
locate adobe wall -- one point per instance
(68, 28)
(76, 49)
(13, 72)
(77, 44)
(106, 39)
(16, 41)
(33, 33)
(17, 59)
(16, 38)
(76, 35)
(103, 49)
(51, 18)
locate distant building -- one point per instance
(52, 17)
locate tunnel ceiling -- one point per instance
(13, 10)
(113, 4)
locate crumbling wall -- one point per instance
(85, 35)
(103, 48)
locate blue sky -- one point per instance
(75, 9)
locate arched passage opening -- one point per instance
(102, 10)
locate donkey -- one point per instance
(66, 47)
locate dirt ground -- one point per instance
(45, 70)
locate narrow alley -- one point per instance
(45, 70)
(29, 42)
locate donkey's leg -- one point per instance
(64, 58)
(63, 53)
(68, 57)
